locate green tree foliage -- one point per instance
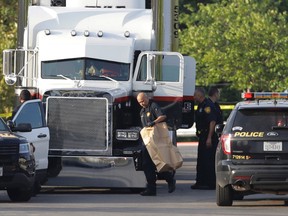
(241, 42)
(8, 29)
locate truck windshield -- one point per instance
(85, 69)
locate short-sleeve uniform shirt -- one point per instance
(149, 114)
(204, 115)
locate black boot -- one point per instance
(171, 186)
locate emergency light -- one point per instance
(265, 95)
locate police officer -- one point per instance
(205, 126)
(152, 114)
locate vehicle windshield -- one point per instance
(85, 69)
(3, 126)
(261, 119)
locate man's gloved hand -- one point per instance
(150, 124)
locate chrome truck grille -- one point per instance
(78, 126)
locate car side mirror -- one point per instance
(22, 127)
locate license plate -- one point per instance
(272, 146)
(1, 171)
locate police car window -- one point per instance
(30, 113)
(261, 119)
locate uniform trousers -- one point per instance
(149, 169)
(206, 161)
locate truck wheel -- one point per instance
(19, 194)
(224, 196)
(54, 166)
(36, 188)
(238, 196)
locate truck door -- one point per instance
(188, 94)
(161, 76)
(32, 112)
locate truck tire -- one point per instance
(224, 196)
(54, 166)
(19, 194)
(238, 196)
(36, 188)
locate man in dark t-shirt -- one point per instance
(152, 114)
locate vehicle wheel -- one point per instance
(54, 167)
(19, 195)
(224, 196)
(36, 188)
(238, 196)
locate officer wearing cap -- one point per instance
(205, 125)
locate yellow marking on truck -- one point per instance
(249, 134)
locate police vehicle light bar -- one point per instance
(265, 95)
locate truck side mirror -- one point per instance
(10, 79)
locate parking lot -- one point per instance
(183, 201)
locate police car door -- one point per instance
(161, 74)
(32, 112)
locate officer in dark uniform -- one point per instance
(205, 125)
(152, 114)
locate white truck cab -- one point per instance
(86, 61)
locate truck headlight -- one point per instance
(24, 148)
(127, 134)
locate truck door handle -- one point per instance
(42, 135)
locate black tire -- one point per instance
(54, 166)
(36, 188)
(224, 196)
(19, 195)
(238, 196)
